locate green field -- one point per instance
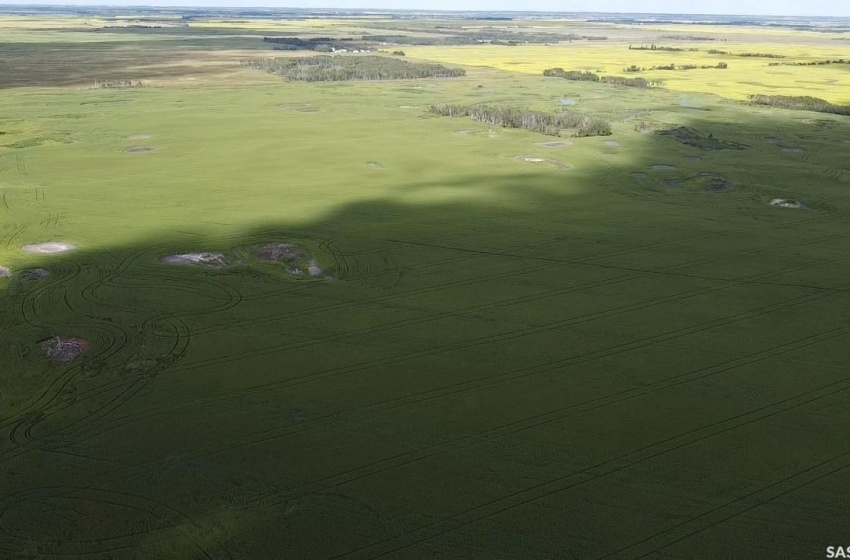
(596, 355)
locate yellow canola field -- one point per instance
(743, 77)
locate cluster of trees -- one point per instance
(719, 65)
(800, 103)
(318, 44)
(576, 75)
(688, 38)
(654, 47)
(746, 54)
(813, 63)
(343, 68)
(562, 123)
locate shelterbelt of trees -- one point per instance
(562, 123)
(343, 68)
(800, 103)
(576, 75)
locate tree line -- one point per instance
(813, 63)
(719, 66)
(562, 123)
(800, 103)
(585, 76)
(343, 68)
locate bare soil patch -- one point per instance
(787, 203)
(139, 137)
(559, 144)
(278, 252)
(612, 143)
(139, 149)
(50, 248)
(62, 349)
(5, 272)
(33, 274)
(214, 260)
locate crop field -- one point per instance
(247, 318)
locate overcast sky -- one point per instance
(748, 7)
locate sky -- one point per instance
(731, 7)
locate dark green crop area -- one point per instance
(406, 336)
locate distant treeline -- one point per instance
(117, 84)
(479, 38)
(343, 68)
(746, 54)
(654, 47)
(719, 66)
(576, 75)
(687, 38)
(813, 63)
(562, 123)
(802, 103)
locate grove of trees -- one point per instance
(343, 68)
(591, 77)
(562, 123)
(800, 103)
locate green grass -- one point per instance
(511, 361)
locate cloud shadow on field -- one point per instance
(581, 364)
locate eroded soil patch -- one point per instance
(787, 203)
(50, 248)
(213, 260)
(62, 349)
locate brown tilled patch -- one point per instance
(62, 349)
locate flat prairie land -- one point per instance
(400, 335)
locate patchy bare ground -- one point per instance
(5, 272)
(214, 260)
(62, 349)
(278, 252)
(551, 163)
(787, 203)
(33, 274)
(48, 248)
(612, 143)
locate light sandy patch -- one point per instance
(612, 143)
(313, 269)
(215, 260)
(50, 248)
(787, 203)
